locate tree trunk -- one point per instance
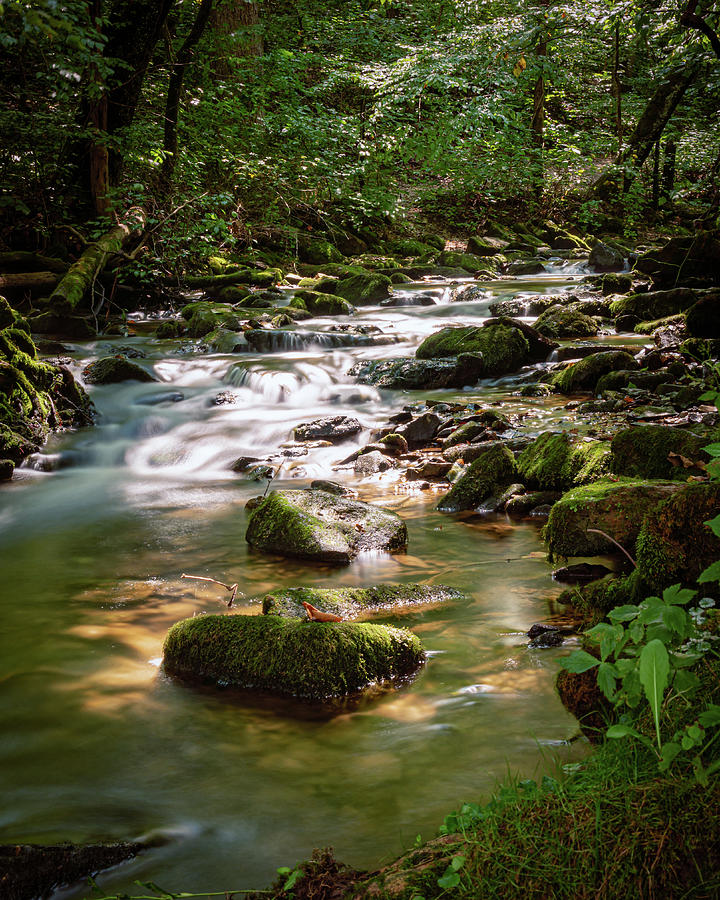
(78, 280)
(668, 172)
(537, 124)
(690, 19)
(617, 87)
(648, 131)
(175, 92)
(229, 19)
(21, 282)
(656, 177)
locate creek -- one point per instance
(98, 744)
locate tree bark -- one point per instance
(20, 282)
(690, 19)
(79, 278)
(175, 92)
(617, 87)
(668, 172)
(228, 18)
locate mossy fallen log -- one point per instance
(312, 660)
(75, 284)
(21, 282)
(31, 262)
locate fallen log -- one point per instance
(29, 262)
(78, 280)
(20, 282)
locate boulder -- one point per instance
(657, 451)
(364, 289)
(615, 507)
(684, 258)
(413, 374)
(322, 304)
(526, 267)
(556, 462)
(655, 305)
(351, 602)
(204, 316)
(584, 374)
(558, 322)
(314, 250)
(292, 657)
(702, 319)
(113, 369)
(486, 246)
(604, 258)
(504, 348)
(332, 428)
(371, 463)
(420, 430)
(675, 544)
(487, 476)
(616, 283)
(318, 525)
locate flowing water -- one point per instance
(98, 744)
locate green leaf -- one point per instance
(579, 661)
(654, 670)
(712, 573)
(651, 610)
(637, 632)
(714, 525)
(676, 620)
(621, 731)
(457, 862)
(606, 680)
(685, 682)
(711, 716)
(678, 595)
(711, 449)
(623, 613)
(667, 754)
(449, 880)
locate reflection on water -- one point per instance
(98, 743)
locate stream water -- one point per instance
(98, 744)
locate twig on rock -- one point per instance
(228, 587)
(613, 541)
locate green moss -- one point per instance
(204, 316)
(555, 462)
(642, 451)
(485, 477)
(616, 283)
(674, 544)
(365, 289)
(113, 369)
(312, 660)
(557, 322)
(351, 602)
(666, 322)
(409, 247)
(585, 373)
(320, 304)
(504, 348)
(596, 599)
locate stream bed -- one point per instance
(98, 744)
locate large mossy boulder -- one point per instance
(316, 250)
(487, 476)
(35, 397)
(674, 544)
(654, 305)
(421, 374)
(504, 348)
(293, 657)
(364, 289)
(113, 369)
(604, 258)
(486, 246)
(683, 258)
(615, 507)
(318, 525)
(204, 316)
(584, 374)
(353, 602)
(555, 462)
(322, 304)
(657, 451)
(558, 322)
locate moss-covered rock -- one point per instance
(204, 316)
(467, 261)
(682, 258)
(113, 369)
(615, 507)
(526, 267)
(408, 247)
(616, 283)
(556, 462)
(312, 660)
(674, 544)
(486, 245)
(364, 289)
(644, 451)
(655, 304)
(504, 348)
(353, 602)
(558, 322)
(596, 598)
(584, 374)
(321, 304)
(581, 696)
(316, 250)
(414, 374)
(169, 329)
(317, 525)
(485, 477)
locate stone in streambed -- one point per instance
(554, 461)
(585, 374)
(113, 369)
(648, 451)
(557, 322)
(414, 374)
(353, 602)
(289, 656)
(322, 304)
(504, 347)
(320, 526)
(332, 428)
(486, 476)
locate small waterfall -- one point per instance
(262, 341)
(274, 386)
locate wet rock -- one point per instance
(7, 467)
(556, 462)
(394, 443)
(585, 374)
(364, 289)
(540, 346)
(465, 452)
(550, 637)
(413, 374)
(243, 463)
(486, 246)
(486, 476)
(526, 267)
(223, 398)
(558, 322)
(504, 348)
(616, 283)
(617, 508)
(529, 503)
(683, 258)
(320, 526)
(288, 656)
(332, 428)
(604, 258)
(351, 602)
(113, 369)
(166, 330)
(464, 434)
(322, 304)
(468, 293)
(581, 696)
(266, 341)
(32, 870)
(413, 299)
(658, 451)
(332, 487)
(420, 430)
(654, 305)
(580, 572)
(371, 463)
